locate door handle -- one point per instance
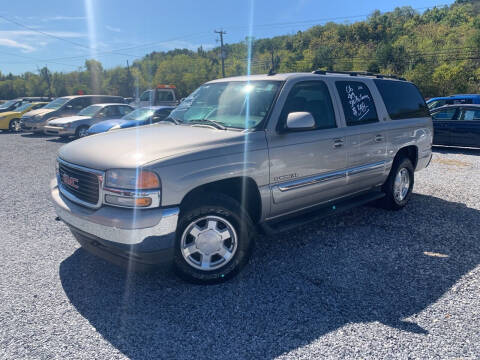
(337, 143)
(379, 138)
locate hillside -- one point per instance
(439, 50)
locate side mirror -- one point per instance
(300, 120)
(156, 119)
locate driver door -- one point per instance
(307, 167)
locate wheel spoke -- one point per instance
(224, 234)
(189, 250)
(225, 253)
(212, 224)
(195, 231)
(206, 260)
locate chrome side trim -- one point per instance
(100, 175)
(363, 168)
(312, 180)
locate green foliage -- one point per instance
(438, 50)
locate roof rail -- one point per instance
(356, 73)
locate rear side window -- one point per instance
(312, 97)
(469, 114)
(402, 99)
(357, 103)
(447, 114)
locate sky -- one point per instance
(62, 34)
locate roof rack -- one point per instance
(356, 73)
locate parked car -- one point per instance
(78, 125)
(437, 102)
(12, 105)
(35, 121)
(10, 120)
(138, 117)
(258, 153)
(162, 95)
(457, 125)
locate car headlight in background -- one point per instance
(132, 188)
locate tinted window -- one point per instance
(79, 103)
(111, 111)
(164, 96)
(162, 114)
(357, 102)
(146, 96)
(124, 110)
(402, 99)
(469, 114)
(447, 114)
(312, 97)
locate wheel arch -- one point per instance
(243, 189)
(409, 152)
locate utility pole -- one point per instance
(222, 55)
(129, 81)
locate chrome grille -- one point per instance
(82, 184)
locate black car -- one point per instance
(457, 125)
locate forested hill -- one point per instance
(439, 50)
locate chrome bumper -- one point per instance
(117, 225)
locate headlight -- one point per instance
(132, 188)
(132, 179)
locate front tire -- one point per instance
(399, 185)
(214, 241)
(81, 132)
(15, 126)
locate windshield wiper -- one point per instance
(172, 119)
(214, 123)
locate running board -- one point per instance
(288, 223)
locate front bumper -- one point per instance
(122, 236)
(32, 126)
(56, 130)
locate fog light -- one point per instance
(128, 201)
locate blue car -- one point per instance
(436, 102)
(138, 117)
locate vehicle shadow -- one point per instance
(367, 265)
(455, 150)
(33, 135)
(62, 140)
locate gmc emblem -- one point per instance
(70, 181)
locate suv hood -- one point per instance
(137, 146)
(66, 120)
(38, 112)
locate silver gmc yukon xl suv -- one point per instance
(239, 156)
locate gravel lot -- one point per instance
(368, 284)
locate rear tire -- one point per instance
(213, 241)
(399, 185)
(14, 125)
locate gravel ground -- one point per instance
(368, 284)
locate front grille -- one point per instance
(82, 184)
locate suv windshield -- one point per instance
(90, 110)
(139, 114)
(237, 104)
(55, 104)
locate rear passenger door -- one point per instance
(467, 132)
(443, 125)
(366, 139)
(306, 167)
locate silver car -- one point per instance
(78, 125)
(240, 156)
